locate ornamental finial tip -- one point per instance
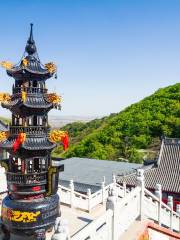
(31, 33)
(30, 47)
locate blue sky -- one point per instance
(109, 53)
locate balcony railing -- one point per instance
(30, 90)
(30, 130)
(30, 178)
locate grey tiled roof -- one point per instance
(167, 172)
(91, 171)
(31, 101)
(37, 102)
(30, 144)
(33, 66)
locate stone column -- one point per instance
(114, 179)
(158, 194)
(89, 199)
(71, 185)
(103, 193)
(140, 183)
(170, 204)
(178, 212)
(112, 204)
(124, 188)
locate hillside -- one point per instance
(127, 133)
(5, 120)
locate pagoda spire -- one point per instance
(31, 40)
(30, 46)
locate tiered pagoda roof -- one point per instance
(167, 171)
(30, 63)
(31, 143)
(31, 102)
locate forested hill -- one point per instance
(125, 134)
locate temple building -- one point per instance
(32, 204)
(165, 171)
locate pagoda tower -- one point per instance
(32, 203)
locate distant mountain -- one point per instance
(60, 121)
(5, 120)
(125, 135)
(130, 134)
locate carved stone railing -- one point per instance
(30, 178)
(30, 130)
(160, 212)
(138, 203)
(99, 229)
(121, 213)
(90, 200)
(30, 90)
(173, 141)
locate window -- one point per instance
(40, 120)
(35, 83)
(20, 121)
(30, 166)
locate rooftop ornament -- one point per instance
(3, 136)
(53, 98)
(5, 97)
(57, 136)
(51, 67)
(24, 62)
(6, 65)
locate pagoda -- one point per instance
(32, 203)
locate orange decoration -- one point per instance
(24, 62)
(59, 136)
(3, 136)
(19, 140)
(51, 67)
(5, 97)
(53, 98)
(23, 96)
(6, 65)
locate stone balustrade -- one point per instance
(122, 212)
(90, 200)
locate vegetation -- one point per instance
(125, 134)
(5, 120)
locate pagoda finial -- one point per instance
(31, 34)
(31, 47)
